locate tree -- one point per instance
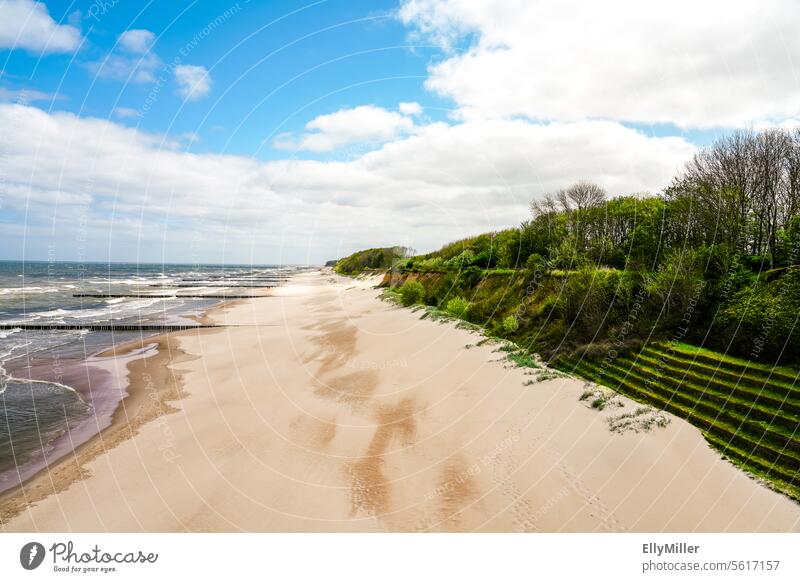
(577, 201)
(583, 195)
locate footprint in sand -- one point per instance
(596, 508)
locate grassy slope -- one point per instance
(749, 412)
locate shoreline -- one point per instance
(334, 411)
(54, 476)
(138, 407)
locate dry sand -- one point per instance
(330, 410)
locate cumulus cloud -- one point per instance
(693, 64)
(126, 112)
(126, 68)
(133, 61)
(137, 40)
(366, 124)
(25, 96)
(129, 187)
(28, 25)
(194, 82)
(410, 108)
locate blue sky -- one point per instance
(301, 131)
(274, 66)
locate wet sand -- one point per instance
(139, 369)
(327, 409)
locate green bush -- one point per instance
(461, 261)
(510, 324)
(761, 320)
(379, 258)
(458, 306)
(411, 292)
(432, 265)
(536, 262)
(677, 283)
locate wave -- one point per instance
(5, 333)
(115, 306)
(27, 290)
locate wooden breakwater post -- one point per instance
(161, 327)
(137, 296)
(232, 286)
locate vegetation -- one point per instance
(713, 259)
(750, 413)
(411, 292)
(618, 289)
(459, 307)
(510, 324)
(370, 259)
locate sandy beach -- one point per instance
(323, 408)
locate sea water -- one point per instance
(36, 414)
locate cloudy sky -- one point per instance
(297, 132)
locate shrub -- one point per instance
(510, 324)
(535, 262)
(411, 292)
(461, 261)
(458, 306)
(583, 296)
(432, 265)
(379, 258)
(760, 319)
(675, 285)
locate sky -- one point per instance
(298, 132)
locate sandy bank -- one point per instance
(329, 410)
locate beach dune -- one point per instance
(324, 408)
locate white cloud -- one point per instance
(27, 25)
(126, 112)
(131, 189)
(787, 124)
(137, 63)
(366, 124)
(194, 82)
(189, 137)
(410, 108)
(25, 96)
(129, 69)
(137, 41)
(694, 64)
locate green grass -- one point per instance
(737, 388)
(523, 360)
(749, 411)
(704, 353)
(774, 383)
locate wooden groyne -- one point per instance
(162, 327)
(242, 280)
(210, 285)
(136, 296)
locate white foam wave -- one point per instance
(9, 332)
(27, 290)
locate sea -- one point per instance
(48, 403)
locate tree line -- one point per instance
(741, 195)
(718, 244)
